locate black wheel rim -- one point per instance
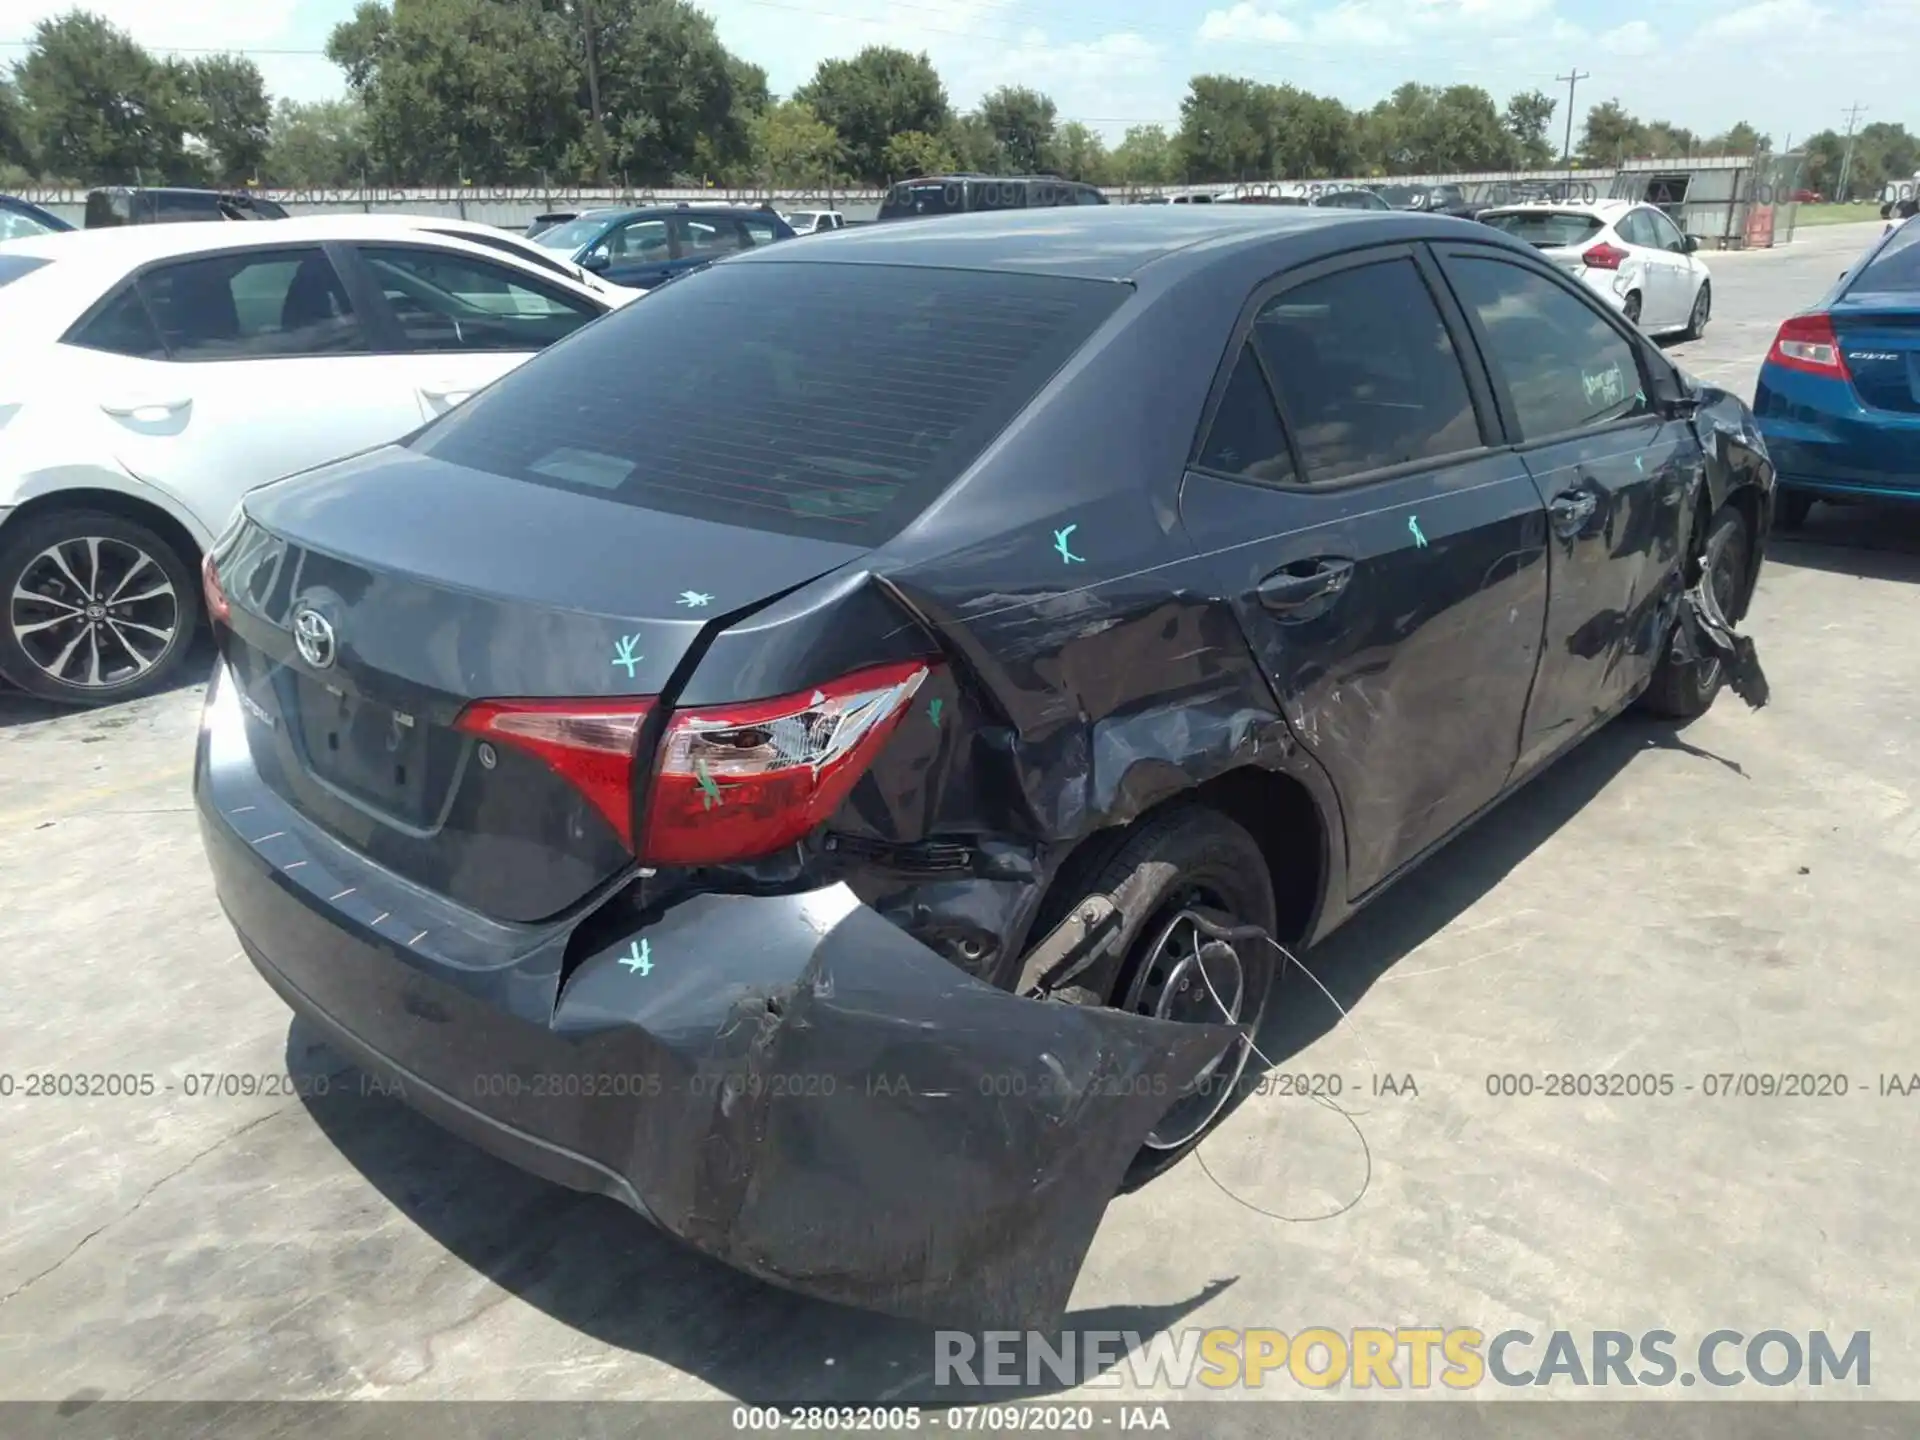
(1188, 978)
(94, 613)
(1633, 308)
(1701, 307)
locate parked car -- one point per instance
(540, 224)
(154, 374)
(1630, 255)
(1353, 198)
(840, 800)
(814, 222)
(646, 247)
(492, 237)
(960, 194)
(124, 205)
(21, 219)
(1838, 397)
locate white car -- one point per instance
(154, 374)
(813, 222)
(1630, 255)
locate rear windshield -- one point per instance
(716, 397)
(12, 267)
(926, 197)
(1546, 228)
(1897, 266)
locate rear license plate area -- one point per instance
(375, 754)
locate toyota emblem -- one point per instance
(313, 637)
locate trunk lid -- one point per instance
(1879, 337)
(466, 586)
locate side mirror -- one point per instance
(594, 260)
(1693, 243)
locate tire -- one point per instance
(1631, 309)
(1187, 857)
(1701, 313)
(1790, 509)
(62, 642)
(1684, 685)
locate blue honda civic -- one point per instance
(1839, 395)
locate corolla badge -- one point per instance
(313, 637)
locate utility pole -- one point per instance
(593, 92)
(1846, 161)
(1571, 80)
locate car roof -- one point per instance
(1606, 208)
(1110, 242)
(130, 245)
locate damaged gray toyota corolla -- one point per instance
(835, 798)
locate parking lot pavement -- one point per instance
(1731, 898)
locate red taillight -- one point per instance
(1807, 343)
(739, 781)
(588, 742)
(217, 606)
(1604, 257)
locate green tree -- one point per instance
(1742, 139)
(1144, 156)
(668, 87)
(98, 108)
(1611, 135)
(877, 95)
(15, 153)
(1883, 151)
(320, 145)
(794, 146)
(1665, 140)
(233, 115)
(1312, 136)
(913, 153)
(1421, 129)
(1820, 167)
(1022, 122)
(1080, 154)
(1527, 116)
(973, 145)
(1226, 129)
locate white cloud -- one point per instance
(1247, 21)
(1384, 24)
(1785, 20)
(1636, 37)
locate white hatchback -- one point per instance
(154, 374)
(1630, 255)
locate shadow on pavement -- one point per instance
(1869, 541)
(19, 708)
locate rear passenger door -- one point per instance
(1569, 380)
(1385, 555)
(459, 322)
(217, 373)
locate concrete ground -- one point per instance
(1734, 897)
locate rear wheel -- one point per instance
(1686, 681)
(1702, 312)
(93, 608)
(1175, 871)
(1631, 309)
(1790, 509)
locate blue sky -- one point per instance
(1788, 66)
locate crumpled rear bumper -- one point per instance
(790, 1084)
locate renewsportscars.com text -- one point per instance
(1401, 1357)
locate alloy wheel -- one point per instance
(94, 613)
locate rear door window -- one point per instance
(765, 232)
(707, 237)
(715, 397)
(1563, 366)
(1367, 374)
(253, 305)
(445, 301)
(121, 326)
(1246, 439)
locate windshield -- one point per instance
(1545, 229)
(1896, 267)
(572, 235)
(18, 225)
(1402, 197)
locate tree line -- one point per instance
(642, 92)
